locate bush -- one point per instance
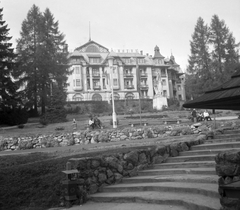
(21, 126)
(13, 116)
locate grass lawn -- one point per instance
(34, 128)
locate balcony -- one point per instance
(144, 87)
(128, 87)
(143, 74)
(97, 87)
(104, 74)
(127, 74)
(77, 88)
(96, 74)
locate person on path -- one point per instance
(74, 124)
(194, 115)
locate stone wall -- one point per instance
(97, 136)
(228, 169)
(97, 172)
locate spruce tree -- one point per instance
(219, 34)
(8, 94)
(54, 58)
(199, 69)
(42, 57)
(28, 50)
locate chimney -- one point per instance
(141, 52)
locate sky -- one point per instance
(128, 24)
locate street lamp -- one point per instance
(114, 116)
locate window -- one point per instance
(77, 97)
(126, 60)
(78, 82)
(164, 82)
(96, 83)
(164, 93)
(141, 60)
(114, 70)
(97, 97)
(94, 60)
(180, 97)
(179, 87)
(95, 72)
(115, 82)
(163, 73)
(77, 70)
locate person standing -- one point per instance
(194, 115)
(74, 125)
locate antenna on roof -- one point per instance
(89, 31)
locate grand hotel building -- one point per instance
(96, 70)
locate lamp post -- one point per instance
(114, 116)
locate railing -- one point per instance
(97, 87)
(143, 86)
(96, 74)
(78, 88)
(128, 87)
(143, 74)
(127, 74)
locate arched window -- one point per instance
(116, 96)
(77, 97)
(129, 96)
(97, 97)
(92, 48)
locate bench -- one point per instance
(138, 123)
(172, 122)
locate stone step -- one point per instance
(232, 131)
(194, 164)
(211, 141)
(209, 157)
(188, 200)
(209, 151)
(152, 172)
(224, 145)
(223, 136)
(189, 178)
(206, 189)
(90, 205)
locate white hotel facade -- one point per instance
(96, 70)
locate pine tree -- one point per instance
(8, 95)
(199, 61)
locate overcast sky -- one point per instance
(129, 24)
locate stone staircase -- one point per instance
(186, 182)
